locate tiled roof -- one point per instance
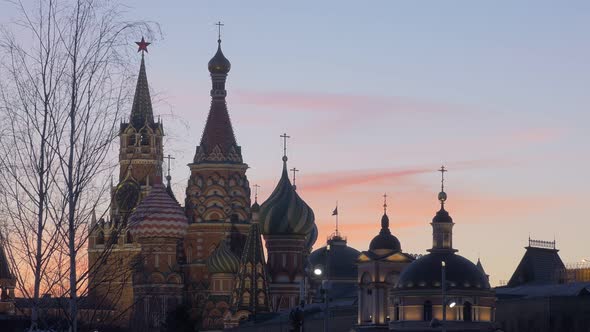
(158, 215)
(141, 111)
(538, 266)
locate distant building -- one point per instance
(543, 295)
(379, 269)
(468, 303)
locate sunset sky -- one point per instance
(376, 95)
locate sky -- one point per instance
(377, 95)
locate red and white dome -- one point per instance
(158, 215)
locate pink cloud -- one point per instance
(329, 102)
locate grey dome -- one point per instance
(385, 240)
(219, 64)
(425, 273)
(342, 264)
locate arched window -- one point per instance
(396, 312)
(131, 140)
(145, 138)
(427, 315)
(246, 298)
(100, 238)
(128, 237)
(467, 312)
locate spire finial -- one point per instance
(442, 196)
(142, 46)
(219, 25)
(256, 187)
(294, 170)
(284, 137)
(385, 203)
(168, 177)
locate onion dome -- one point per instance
(425, 273)
(284, 212)
(311, 238)
(222, 260)
(255, 207)
(158, 216)
(385, 240)
(219, 64)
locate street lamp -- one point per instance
(317, 271)
(445, 302)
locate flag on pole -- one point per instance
(335, 212)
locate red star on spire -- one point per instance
(142, 45)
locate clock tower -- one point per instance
(112, 250)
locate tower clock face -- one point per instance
(127, 195)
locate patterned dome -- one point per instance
(284, 212)
(158, 215)
(219, 64)
(223, 260)
(312, 237)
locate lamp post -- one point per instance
(443, 285)
(326, 287)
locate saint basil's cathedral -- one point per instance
(151, 255)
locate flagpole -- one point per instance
(337, 217)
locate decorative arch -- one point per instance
(157, 278)
(366, 278)
(215, 190)
(174, 279)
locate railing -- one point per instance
(541, 244)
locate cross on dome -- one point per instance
(219, 25)
(284, 136)
(294, 170)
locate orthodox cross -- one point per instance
(442, 171)
(142, 46)
(385, 203)
(256, 192)
(284, 137)
(219, 25)
(169, 157)
(294, 170)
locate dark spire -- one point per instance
(141, 111)
(251, 289)
(218, 143)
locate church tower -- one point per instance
(218, 192)
(287, 224)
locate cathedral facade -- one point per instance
(151, 254)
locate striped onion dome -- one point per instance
(222, 260)
(158, 215)
(284, 212)
(311, 238)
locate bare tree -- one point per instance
(63, 98)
